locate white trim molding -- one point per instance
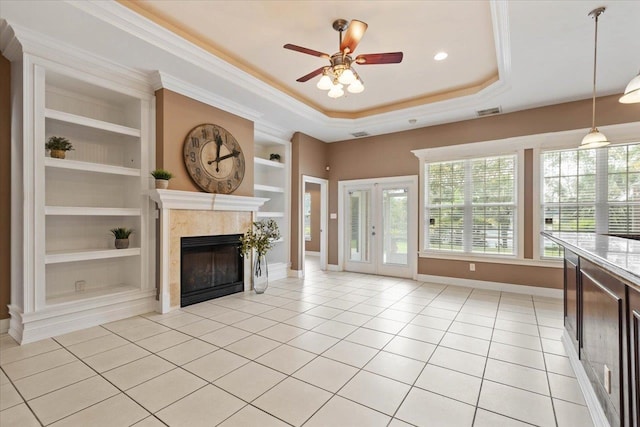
(492, 286)
(176, 199)
(4, 326)
(162, 80)
(595, 409)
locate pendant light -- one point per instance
(632, 91)
(594, 138)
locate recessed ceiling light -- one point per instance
(440, 56)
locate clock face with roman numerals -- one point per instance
(214, 159)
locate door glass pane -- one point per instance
(358, 225)
(395, 217)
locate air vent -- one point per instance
(489, 111)
(360, 134)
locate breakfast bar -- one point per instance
(602, 321)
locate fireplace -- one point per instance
(210, 267)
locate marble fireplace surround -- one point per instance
(188, 214)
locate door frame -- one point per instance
(412, 250)
(324, 207)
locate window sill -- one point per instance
(492, 259)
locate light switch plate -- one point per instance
(333, 215)
(607, 379)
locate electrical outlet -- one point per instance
(472, 267)
(80, 285)
(607, 379)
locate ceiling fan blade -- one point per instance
(379, 58)
(311, 75)
(305, 50)
(352, 36)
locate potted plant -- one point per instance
(275, 157)
(58, 145)
(162, 178)
(260, 238)
(122, 237)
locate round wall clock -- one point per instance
(214, 159)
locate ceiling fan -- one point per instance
(341, 71)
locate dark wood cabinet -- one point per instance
(634, 353)
(603, 341)
(602, 318)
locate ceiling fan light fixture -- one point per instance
(632, 91)
(336, 91)
(356, 87)
(347, 77)
(325, 82)
(339, 72)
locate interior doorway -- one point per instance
(313, 224)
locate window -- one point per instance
(595, 190)
(307, 216)
(471, 205)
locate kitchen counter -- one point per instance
(618, 255)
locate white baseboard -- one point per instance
(4, 326)
(493, 286)
(595, 410)
(333, 267)
(295, 273)
(312, 253)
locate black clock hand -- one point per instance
(235, 153)
(218, 145)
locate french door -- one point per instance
(379, 224)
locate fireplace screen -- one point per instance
(210, 267)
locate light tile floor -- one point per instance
(337, 349)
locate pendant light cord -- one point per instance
(596, 13)
(595, 61)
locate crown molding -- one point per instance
(161, 80)
(129, 21)
(17, 41)
(9, 44)
(268, 131)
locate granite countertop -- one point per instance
(618, 255)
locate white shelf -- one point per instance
(270, 163)
(90, 123)
(269, 214)
(268, 188)
(88, 254)
(90, 167)
(90, 211)
(89, 293)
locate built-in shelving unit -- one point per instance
(74, 276)
(272, 180)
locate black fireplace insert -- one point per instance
(210, 267)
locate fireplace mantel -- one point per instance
(190, 213)
(191, 200)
